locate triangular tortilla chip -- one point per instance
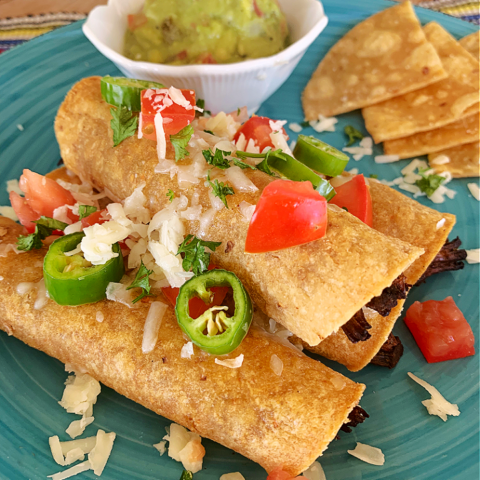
(451, 135)
(464, 161)
(436, 105)
(471, 44)
(382, 57)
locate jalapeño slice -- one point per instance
(320, 156)
(214, 331)
(125, 92)
(72, 280)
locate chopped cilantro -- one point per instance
(218, 159)
(85, 211)
(373, 175)
(142, 281)
(220, 190)
(305, 124)
(238, 111)
(242, 165)
(196, 258)
(352, 134)
(180, 141)
(429, 183)
(44, 227)
(170, 195)
(345, 208)
(186, 475)
(124, 124)
(201, 104)
(209, 131)
(263, 166)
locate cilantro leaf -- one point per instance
(124, 124)
(373, 175)
(263, 165)
(170, 195)
(305, 124)
(242, 165)
(220, 190)
(201, 104)
(142, 281)
(209, 131)
(186, 475)
(218, 159)
(196, 258)
(429, 183)
(44, 228)
(238, 111)
(352, 134)
(180, 141)
(85, 211)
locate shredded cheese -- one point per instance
(231, 362)
(232, 476)
(386, 158)
(160, 446)
(161, 141)
(315, 472)
(276, 365)
(77, 427)
(437, 405)
(187, 350)
(9, 212)
(152, 325)
(368, 454)
(440, 160)
(295, 127)
(473, 187)
(70, 472)
(473, 256)
(98, 457)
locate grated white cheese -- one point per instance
(160, 446)
(20, 127)
(241, 142)
(386, 158)
(152, 325)
(473, 187)
(185, 447)
(81, 392)
(56, 450)
(414, 165)
(77, 427)
(437, 405)
(177, 97)
(441, 223)
(473, 256)
(70, 472)
(366, 142)
(231, 362)
(42, 296)
(25, 287)
(9, 212)
(277, 125)
(314, 472)
(13, 186)
(73, 228)
(279, 140)
(160, 133)
(99, 455)
(295, 127)
(324, 124)
(440, 160)
(368, 454)
(187, 350)
(247, 210)
(99, 317)
(134, 206)
(86, 445)
(232, 476)
(292, 145)
(276, 365)
(117, 292)
(239, 180)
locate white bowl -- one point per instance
(224, 87)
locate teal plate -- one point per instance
(34, 79)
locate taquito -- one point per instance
(311, 289)
(399, 216)
(285, 420)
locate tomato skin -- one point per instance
(43, 194)
(287, 214)
(175, 117)
(95, 217)
(278, 474)
(258, 129)
(354, 195)
(23, 211)
(440, 330)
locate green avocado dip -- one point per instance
(181, 32)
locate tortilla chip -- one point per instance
(436, 105)
(382, 57)
(464, 161)
(451, 135)
(471, 44)
(401, 217)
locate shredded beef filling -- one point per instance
(356, 328)
(390, 353)
(356, 416)
(384, 303)
(449, 258)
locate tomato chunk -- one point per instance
(23, 211)
(287, 214)
(196, 305)
(354, 196)
(440, 330)
(278, 474)
(257, 129)
(43, 194)
(100, 216)
(175, 116)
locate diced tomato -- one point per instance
(23, 211)
(175, 117)
(287, 214)
(206, 59)
(355, 197)
(43, 194)
(279, 474)
(95, 217)
(258, 129)
(196, 305)
(136, 21)
(440, 330)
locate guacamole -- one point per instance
(181, 32)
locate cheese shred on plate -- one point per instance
(368, 454)
(231, 362)
(437, 405)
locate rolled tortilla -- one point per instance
(398, 216)
(285, 420)
(311, 289)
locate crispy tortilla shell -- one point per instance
(471, 44)
(464, 161)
